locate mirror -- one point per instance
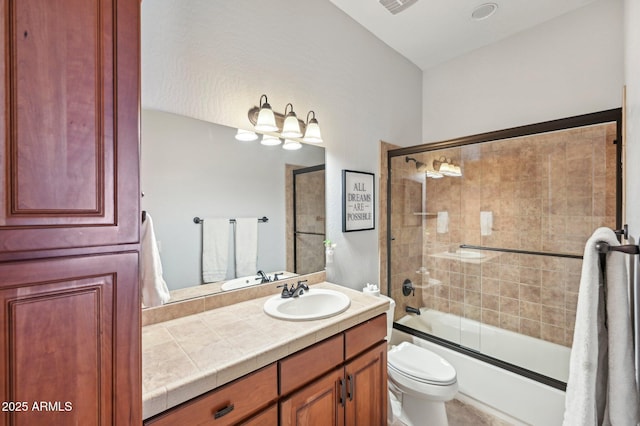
(192, 168)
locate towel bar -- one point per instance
(262, 219)
(603, 247)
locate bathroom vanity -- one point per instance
(237, 365)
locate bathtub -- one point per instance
(511, 396)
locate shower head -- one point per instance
(420, 166)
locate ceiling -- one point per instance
(431, 32)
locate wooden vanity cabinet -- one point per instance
(353, 393)
(339, 381)
(69, 213)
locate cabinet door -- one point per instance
(367, 388)
(70, 341)
(320, 403)
(68, 125)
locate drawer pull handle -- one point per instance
(223, 412)
(350, 380)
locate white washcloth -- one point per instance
(442, 223)
(246, 246)
(486, 223)
(154, 288)
(215, 249)
(601, 388)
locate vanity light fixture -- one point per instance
(291, 127)
(291, 145)
(270, 140)
(312, 134)
(266, 121)
(246, 135)
(422, 167)
(446, 167)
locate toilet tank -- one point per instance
(390, 312)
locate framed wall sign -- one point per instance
(358, 201)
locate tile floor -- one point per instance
(461, 414)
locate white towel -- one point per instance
(215, 249)
(246, 246)
(486, 223)
(154, 288)
(601, 388)
(442, 222)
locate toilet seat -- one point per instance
(421, 365)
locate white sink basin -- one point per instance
(314, 304)
(239, 283)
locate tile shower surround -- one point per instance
(547, 192)
(311, 199)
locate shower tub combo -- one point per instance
(483, 253)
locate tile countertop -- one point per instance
(188, 356)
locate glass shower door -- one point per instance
(309, 219)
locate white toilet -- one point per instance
(420, 380)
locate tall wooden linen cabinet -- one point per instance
(69, 212)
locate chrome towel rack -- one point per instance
(602, 247)
(262, 219)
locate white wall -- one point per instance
(632, 81)
(213, 59)
(196, 168)
(569, 66)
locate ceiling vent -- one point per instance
(397, 6)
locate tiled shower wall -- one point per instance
(310, 220)
(545, 193)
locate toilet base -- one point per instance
(418, 411)
(412, 411)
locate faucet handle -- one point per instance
(285, 291)
(303, 284)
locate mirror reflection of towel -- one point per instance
(215, 249)
(442, 224)
(486, 223)
(246, 246)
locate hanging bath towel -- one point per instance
(154, 288)
(601, 388)
(215, 249)
(246, 246)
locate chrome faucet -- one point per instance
(264, 278)
(412, 310)
(294, 291)
(300, 289)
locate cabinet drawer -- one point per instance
(308, 364)
(268, 417)
(365, 335)
(227, 405)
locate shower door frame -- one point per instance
(600, 117)
(296, 172)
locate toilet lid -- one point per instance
(420, 364)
